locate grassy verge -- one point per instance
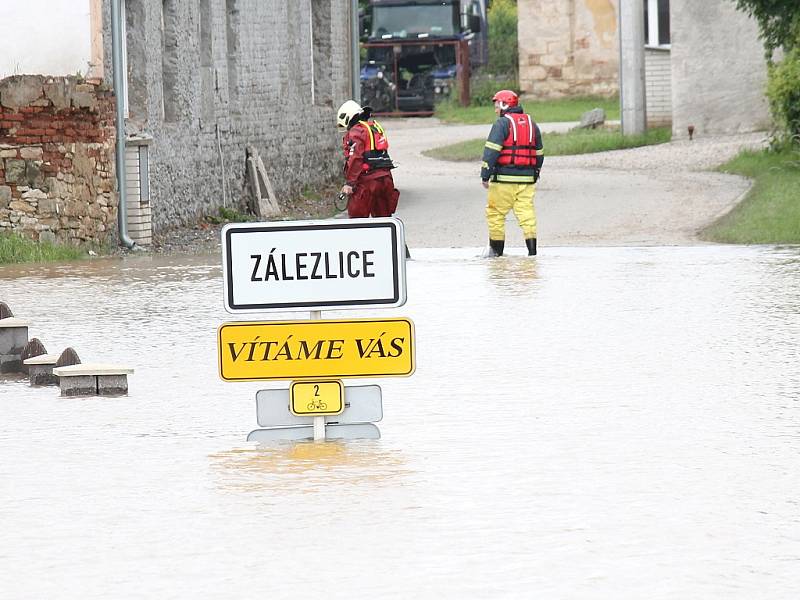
(578, 141)
(15, 248)
(770, 213)
(543, 111)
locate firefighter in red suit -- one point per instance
(367, 164)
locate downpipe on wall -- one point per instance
(355, 51)
(116, 61)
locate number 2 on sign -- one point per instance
(317, 405)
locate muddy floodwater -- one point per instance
(592, 423)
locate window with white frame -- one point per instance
(656, 23)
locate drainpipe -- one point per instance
(116, 61)
(355, 50)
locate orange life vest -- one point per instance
(519, 147)
(376, 155)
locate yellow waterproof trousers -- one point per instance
(510, 196)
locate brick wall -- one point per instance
(658, 74)
(56, 159)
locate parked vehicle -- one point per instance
(416, 51)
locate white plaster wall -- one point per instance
(44, 37)
(718, 70)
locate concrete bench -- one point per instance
(93, 379)
(40, 369)
(13, 339)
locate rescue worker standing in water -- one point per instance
(512, 160)
(368, 179)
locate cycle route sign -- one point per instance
(314, 265)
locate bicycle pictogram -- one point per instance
(317, 405)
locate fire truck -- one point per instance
(420, 51)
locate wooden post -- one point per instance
(463, 70)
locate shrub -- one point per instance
(503, 49)
(783, 92)
(483, 86)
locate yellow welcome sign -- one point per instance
(250, 351)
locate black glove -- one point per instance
(535, 175)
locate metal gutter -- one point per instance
(116, 61)
(355, 51)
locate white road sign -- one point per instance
(364, 431)
(314, 265)
(362, 404)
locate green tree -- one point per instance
(779, 27)
(778, 22)
(783, 91)
(503, 45)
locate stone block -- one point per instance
(40, 369)
(20, 90)
(93, 379)
(10, 363)
(78, 385)
(5, 196)
(13, 339)
(592, 118)
(112, 385)
(15, 170)
(84, 100)
(31, 152)
(13, 336)
(47, 236)
(58, 93)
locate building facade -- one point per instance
(205, 80)
(571, 48)
(568, 47)
(718, 70)
(208, 78)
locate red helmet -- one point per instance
(506, 96)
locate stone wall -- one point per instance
(207, 78)
(568, 47)
(718, 70)
(56, 159)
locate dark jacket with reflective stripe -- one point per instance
(490, 169)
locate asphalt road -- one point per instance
(655, 195)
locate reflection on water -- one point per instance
(590, 423)
(266, 466)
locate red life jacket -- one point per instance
(376, 154)
(519, 147)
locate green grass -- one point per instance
(577, 141)
(770, 213)
(15, 248)
(542, 111)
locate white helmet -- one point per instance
(347, 111)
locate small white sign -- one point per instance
(314, 265)
(362, 404)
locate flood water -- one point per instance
(593, 423)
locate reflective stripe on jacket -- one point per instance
(366, 153)
(513, 152)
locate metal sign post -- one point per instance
(319, 421)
